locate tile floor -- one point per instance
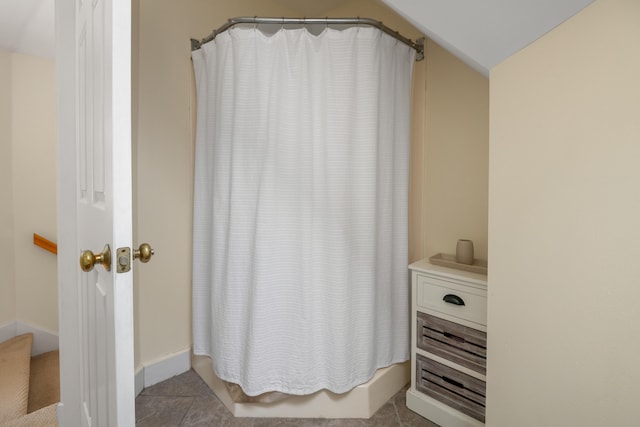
(186, 401)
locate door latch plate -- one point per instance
(123, 257)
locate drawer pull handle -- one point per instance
(452, 382)
(453, 299)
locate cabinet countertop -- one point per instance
(424, 266)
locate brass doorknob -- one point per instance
(88, 259)
(144, 252)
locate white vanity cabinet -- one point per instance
(448, 345)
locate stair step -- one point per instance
(44, 381)
(14, 374)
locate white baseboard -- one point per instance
(139, 379)
(146, 375)
(7, 331)
(43, 340)
(162, 369)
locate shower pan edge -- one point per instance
(361, 402)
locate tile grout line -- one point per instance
(395, 409)
(193, 400)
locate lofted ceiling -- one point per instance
(482, 33)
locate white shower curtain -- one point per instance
(300, 276)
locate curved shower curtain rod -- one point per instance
(418, 45)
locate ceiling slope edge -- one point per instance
(483, 34)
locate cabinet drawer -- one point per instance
(462, 345)
(453, 388)
(456, 300)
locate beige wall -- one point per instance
(456, 155)
(7, 277)
(564, 215)
(27, 190)
(34, 189)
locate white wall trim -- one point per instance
(139, 379)
(7, 331)
(43, 340)
(162, 369)
(146, 374)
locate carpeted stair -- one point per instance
(29, 386)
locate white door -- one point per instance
(93, 40)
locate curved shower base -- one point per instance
(361, 402)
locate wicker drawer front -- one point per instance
(462, 345)
(453, 388)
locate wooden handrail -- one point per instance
(45, 244)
